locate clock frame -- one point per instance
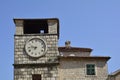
(35, 47)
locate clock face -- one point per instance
(35, 47)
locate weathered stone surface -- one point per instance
(21, 57)
(75, 69)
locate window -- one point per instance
(90, 69)
(36, 77)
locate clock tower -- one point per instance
(36, 49)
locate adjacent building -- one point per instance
(77, 64)
(115, 75)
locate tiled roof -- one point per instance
(74, 49)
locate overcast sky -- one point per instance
(86, 23)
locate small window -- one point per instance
(36, 77)
(90, 69)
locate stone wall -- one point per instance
(47, 65)
(114, 76)
(27, 72)
(21, 57)
(117, 77)
(75, 69)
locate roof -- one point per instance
(74, 49)
(115, 73)
(87, 57)
(35, 19)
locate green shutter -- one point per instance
(90, 68)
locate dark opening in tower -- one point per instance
(35, 26)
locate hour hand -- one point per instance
(34, 47)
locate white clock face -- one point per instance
(35, 47)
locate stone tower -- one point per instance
(36, 49)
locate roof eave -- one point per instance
(87, 57)
(74, 49)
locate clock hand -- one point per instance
(35, 47)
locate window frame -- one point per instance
(86, 71)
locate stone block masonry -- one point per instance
(46, 66)
(21, 57)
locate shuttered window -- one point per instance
(90, 69)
